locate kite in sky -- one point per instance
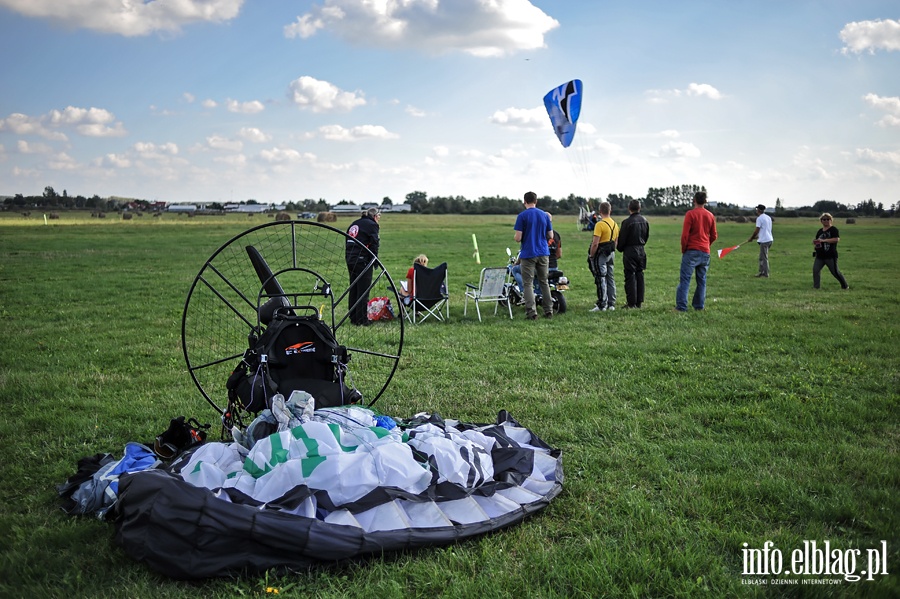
(563, 105)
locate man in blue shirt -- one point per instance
(533, 229)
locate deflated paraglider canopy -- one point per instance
(563, 105)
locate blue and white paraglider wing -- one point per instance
(563, 105)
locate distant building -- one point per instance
(347, 209)
(181, 208)
(396, 208)
(247, 208)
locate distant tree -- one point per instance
(386, 201)
(49, 192)
(570, 205)
(828, 206)
(619, 202)
(869, 208)
(417, 200)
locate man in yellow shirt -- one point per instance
(601, 256)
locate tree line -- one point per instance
(672, 200)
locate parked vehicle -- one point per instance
(559, 283)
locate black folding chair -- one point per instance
(429, 297)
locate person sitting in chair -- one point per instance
(407, 289)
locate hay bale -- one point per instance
(851, 221)
(721, 219)
(326, 217)
(283, 216)
(101, 215)
(741, 219)
(126, 216)
(54, 216)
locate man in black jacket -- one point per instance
(359, 263)
(633, 235)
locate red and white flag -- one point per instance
(725, 251)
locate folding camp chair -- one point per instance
(491, 288)
(429, 298)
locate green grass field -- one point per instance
(770, 416)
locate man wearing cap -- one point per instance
(763, 235)
(363, 230)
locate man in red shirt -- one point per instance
(698, 232)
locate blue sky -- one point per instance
(228, 100)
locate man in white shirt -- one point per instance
(763, 235)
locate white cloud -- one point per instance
(678, 149)
(891, 105)
(475, 27)
(254, 135)
(322, 96)
(810, 167)
(670, 133)
(285, 155)
(868, 36)
(887, 104)
(149, 150)
(22, 124)
(188, 97)
(705, 90)
(413, 111)
(217, 142)
(661, 96)
(127, 17)
(338, 133)
(233, 160)
(251, 107)
(101, 130)
(28, 148)
(514, 152)
(865, 155)
(208, 103)
(441, 151)
(115, 160)
(62, 162)
(90, 122)
(608, 147)
(521, 118)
